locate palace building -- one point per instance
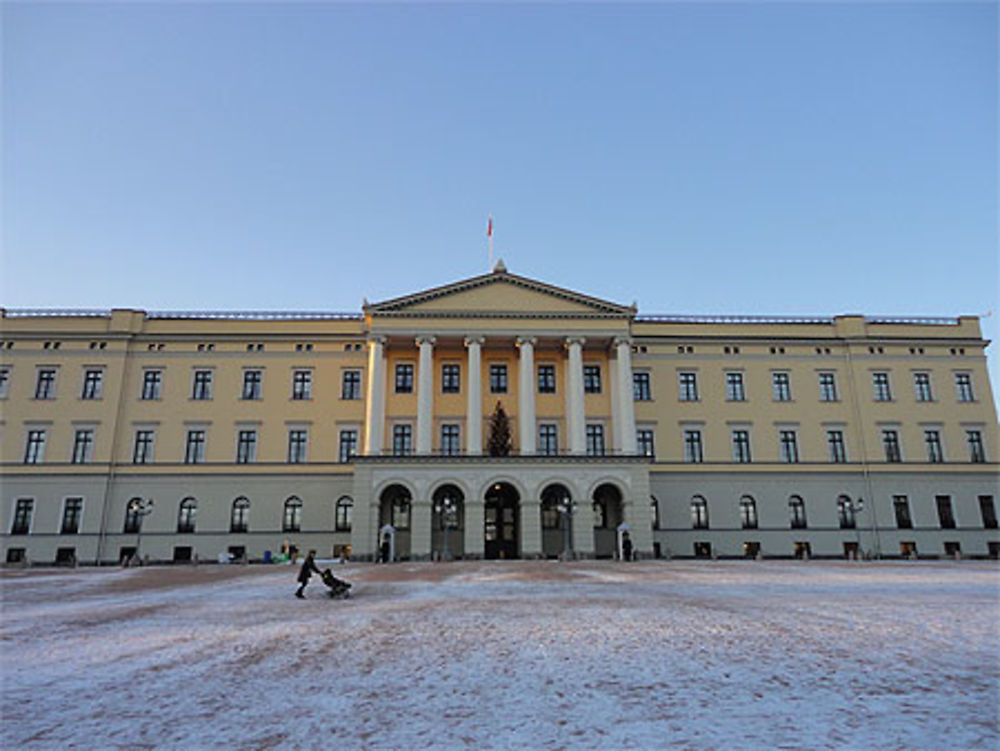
(190, 434)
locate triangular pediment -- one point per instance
(499, 293)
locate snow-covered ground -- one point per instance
(507, 655)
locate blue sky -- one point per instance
(758, 158)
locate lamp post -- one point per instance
(446, 509)
(140, 507)
(565, 508)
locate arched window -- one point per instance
(394, 507)
(185, 517)
(797, 512)
(556, 500)
(654, 511)
(748, 512)
(607, 507)
(133, 519)
(240, 516)
(342, 521)
(699, 512)
(292, 520)
(845, 512)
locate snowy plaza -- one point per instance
(506, 655)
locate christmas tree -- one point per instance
(499, 444)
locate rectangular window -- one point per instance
(4, 382)
(641, 390)
(548, 443)
(644, 442)
(935, 453)
(789, 446)
(252, 384)
(741, 446)
(922, 387)
(546, 379)
(142, 450)
(890, 442)
(34, 448)
(297, 441)
(402, 440)
(450, 445)
(348, 444)
(22, 516)
(302, 384)
(963, 387)
(83, 444)
(72, 511)
(92, 384)
(350, 384)
(194, 450)
(451, 378)
(880, 387)
(45, 386)
(688, 384)
(595, 440)
(945, 515)
(498, 378)
(404, 378)
(835, 442)
(977, 454)
(693, 452)
(202, 385)
(901, 506)
(781, 386)
(152, 384)
(734, 387)
(246, 447)
(988, 512)
(828, 387)
(592, 379)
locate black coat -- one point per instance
(307, 570)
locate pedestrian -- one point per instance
(386, 548)
(306, 572)
(626, 547)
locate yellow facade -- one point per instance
(922, 380)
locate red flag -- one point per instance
(489, 228)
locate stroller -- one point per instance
(338, 587)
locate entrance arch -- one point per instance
(448, 522)
(608, 514)
(556, 503)
(500, 528)
(395, 503)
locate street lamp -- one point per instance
(446, 508)
(140, 507)
(565, 508)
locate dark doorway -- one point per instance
(500, 522)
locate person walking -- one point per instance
(306, 572)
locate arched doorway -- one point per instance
(394, 508)
(448, 522)
(608, 514)
(500, 533)
(556, 520)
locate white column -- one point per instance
(474, 411)
(375, 407)
(624, 405)
(576, 424)
(425, 394)
(526, 395)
